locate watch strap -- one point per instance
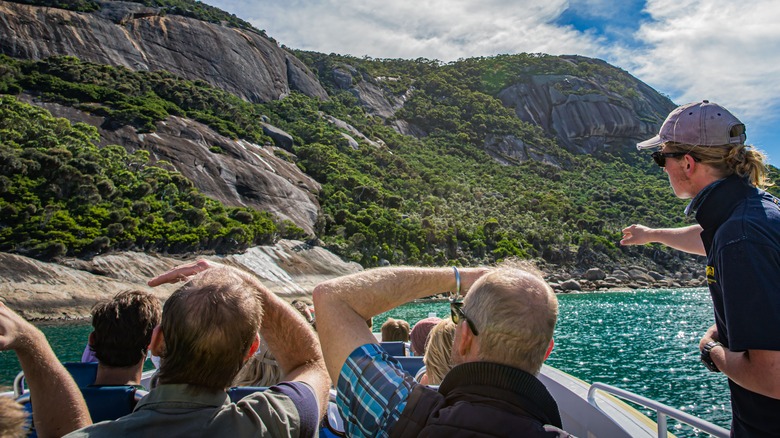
(705, 356)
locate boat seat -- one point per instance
(84, 373)
(236, 393)
(110, 402)
(411, 364)
(394, 348)
(103, 402)
(332, 424)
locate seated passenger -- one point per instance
(395, 330)
(419, 334)
(260, 370)
(122, 331)
(504, 327)
(208, 331)
(438, 353)
(56, 399)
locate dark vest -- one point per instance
(481, 399)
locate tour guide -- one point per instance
(503, 333)
(702, 149)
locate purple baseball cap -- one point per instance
(699, 124)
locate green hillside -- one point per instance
(436, 200)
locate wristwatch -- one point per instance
(705, 356)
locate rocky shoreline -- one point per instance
(67, 290)
(629, 278)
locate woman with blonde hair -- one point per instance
(260, 370)
(438, 351)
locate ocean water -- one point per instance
(645, 341)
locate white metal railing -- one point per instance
(661, 410)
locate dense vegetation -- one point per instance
(60, 194)
(435, 200)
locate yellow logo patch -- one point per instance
(710, 275)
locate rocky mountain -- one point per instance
(242, 174)
(132, 35)
(584, 115)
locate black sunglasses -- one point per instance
(660, 157)
(456, 312)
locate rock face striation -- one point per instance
(68, 290)
(131, 35)
(234, 172)
(583, 115)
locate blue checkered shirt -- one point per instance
(372, 391)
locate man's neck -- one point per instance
(119, 375)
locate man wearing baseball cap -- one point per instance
(701, 147)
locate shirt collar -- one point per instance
(698, 200)
(175, 393)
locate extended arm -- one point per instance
(685, 239)
(343, 304)
(293, 342)
(57, 402)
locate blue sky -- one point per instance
(727, 51)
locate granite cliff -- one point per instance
(240, 61)
(241, 174)
(583, 115)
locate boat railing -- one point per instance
(661, 410)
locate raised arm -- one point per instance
(56, 400)
(293, 342)
(343, 304)
(685, 239)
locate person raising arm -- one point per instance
(56, 400)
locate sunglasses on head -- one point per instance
(660, 157)
(456, 313)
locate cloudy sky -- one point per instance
(727, 51)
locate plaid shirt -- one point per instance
(372, 391)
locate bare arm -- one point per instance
(756, 370)
(293, 342)
(685, 239)
(343, 304)
(291, 339)
(57, 402)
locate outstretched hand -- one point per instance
(635, 235)
(180, 273)
(13, 329)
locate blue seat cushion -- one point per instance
(394, 348)
(410, 364)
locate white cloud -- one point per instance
(436, 29)
(725, 51)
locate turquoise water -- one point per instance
(642, 341)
